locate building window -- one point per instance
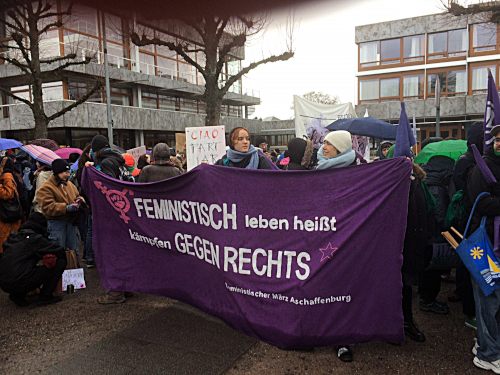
(167, 102)
(457, 42)
(390, 51)
(413, 48)
(149, 100)
(484, 37)
(146, 63)
(121, 96)
(82, 20)
(78, 89)
(447, 44)
(188, 105)
(389, 88)
(166, 67)
(369, 89)
(480, 77)
(369, 54)
(413, 86)
(437, 45)
(451, 83)
(52, 91)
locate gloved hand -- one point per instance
(49, 260)
(72, 208)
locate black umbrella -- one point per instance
(367, 126)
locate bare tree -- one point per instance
(26, 24)
(321, 97)
(461, 8)
(220, 38)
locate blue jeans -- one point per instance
(63, 233)
(488, 324)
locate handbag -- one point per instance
(443, 257)
(476, 252)
(11, 209)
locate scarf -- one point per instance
(237, 156)
(341, 160)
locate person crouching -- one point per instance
(20, 271)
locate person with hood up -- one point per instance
(383, 150)
(60, 202)
(19, 269)
(242, 154)
(105, 159)
(161, 166)
(8, 191)
(299, 155)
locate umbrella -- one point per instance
(367, 126)
(451, 148)
(64, 152)
(6, 143)
(42, 154)
(47, 143)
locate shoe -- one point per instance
(18, 300)
(485, 365)
(413, 333)
(471, 322)
(128, 294)
(454, 297)
(112, 298)
(475, 348)
(48, 300)
(435, 307)
(90, 264)
(344, 353)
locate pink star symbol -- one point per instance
(327, 252)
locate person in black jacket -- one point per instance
(487, 352)
(242, 154)
(19, 269)
(106, 160)
(299, 155)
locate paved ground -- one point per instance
(155, 335)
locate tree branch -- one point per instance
(49, 26)
(59, 58)
(17, 63)
(12, 26)
(68, 64)
(14, 96)
(236, 41)
(83, 99)
(283, 57)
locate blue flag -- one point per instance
(404, 136)
(491, 118)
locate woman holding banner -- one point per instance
(242, 154)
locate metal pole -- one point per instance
(438, 105)
(108, 89)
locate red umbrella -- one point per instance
(47, 143)
(64, 152)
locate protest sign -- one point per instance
(137, 152)
(73, 277)
(240, 245)
(204, 145)
(180, 143)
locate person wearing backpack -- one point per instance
(8, 195)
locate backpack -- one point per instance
(125, 175)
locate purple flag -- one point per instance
(491, 117)
(249, 247)
(404, 136)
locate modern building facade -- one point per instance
(153, 91)
(400, 61)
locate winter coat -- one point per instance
(8, 190)
(109, 162)
(40, 179)
(159, 172)
(264, 163)
(22, 251)
(476, 184)
(54, 196)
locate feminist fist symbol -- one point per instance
(117, 199)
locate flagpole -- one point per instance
(438, 105)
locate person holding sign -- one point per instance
(242, 154)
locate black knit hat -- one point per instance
(36, 222)
(99, 142)
(59, 165)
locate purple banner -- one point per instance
(300, 258)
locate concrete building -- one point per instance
(400, 60)
(153, 91)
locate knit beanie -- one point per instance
(36, 222)
(340, 139)
(59, 165)
(99, 142)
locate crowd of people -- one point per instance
(33, 245)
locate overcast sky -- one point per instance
(325, 53)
